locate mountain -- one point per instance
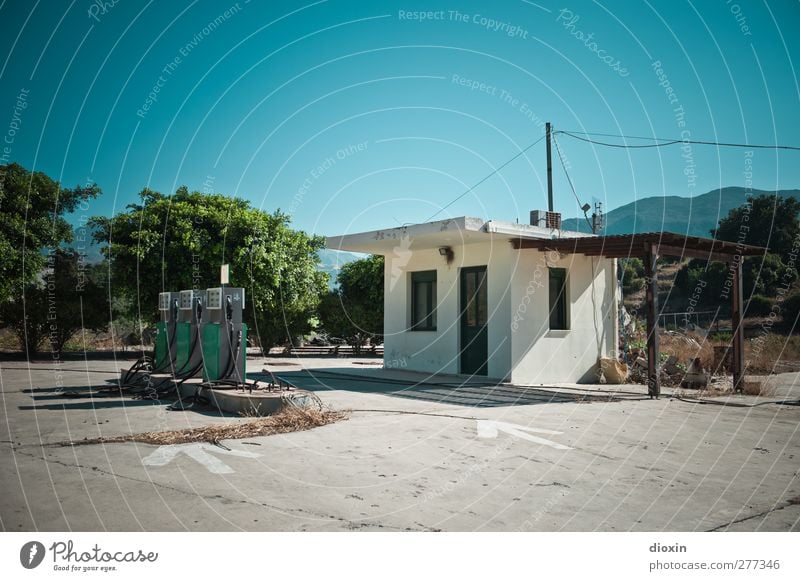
(691, 216)
(331, 261)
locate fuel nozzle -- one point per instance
(228, 308)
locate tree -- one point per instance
(170, 243)
(632, 270)
(770, 222)
(26, 316)
(354, 311)
(767, 221)
(32, 206)
(64, 300)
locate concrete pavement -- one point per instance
(431, 456)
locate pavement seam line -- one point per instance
(766, 512)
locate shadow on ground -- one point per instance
(100, 397)
(469, 392)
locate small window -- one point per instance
(558, 298)
(423, 300)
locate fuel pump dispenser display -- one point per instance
(165, 347)
(224, 336)
(188, 354)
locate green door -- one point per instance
(474, 315)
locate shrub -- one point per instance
(790, 309)
(758, 306)
(632, 275)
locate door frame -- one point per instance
(483, 367)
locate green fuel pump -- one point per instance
(224, 336)
(165, 348)
(188, 354)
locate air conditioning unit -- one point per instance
(538, 218)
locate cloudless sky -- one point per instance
(359, 115)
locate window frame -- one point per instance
(558, 306)
(428, 278)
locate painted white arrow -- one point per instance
(198, 451)
(490, 429)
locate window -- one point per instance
(423, 300)
(558, 298)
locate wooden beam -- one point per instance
(651, 288)
(737, 326)
(666, 250)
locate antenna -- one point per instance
(598, 218)
(548, 133)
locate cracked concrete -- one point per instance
(633, 464)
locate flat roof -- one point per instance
(449, 232)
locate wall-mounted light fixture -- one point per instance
(447, 252)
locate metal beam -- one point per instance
(651, 288)
(737, 325)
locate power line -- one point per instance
(569, 180)
(578, 135)
(647, 138)
(623, 146)
(457, 198)
(665, 142)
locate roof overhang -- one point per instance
(450, 232)
(636, 245)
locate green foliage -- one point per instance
(790, 311)
(767, 221)
(758, 306)
(632, 274)
(721, 337)
(761, 275)
(32, 206)
(64, 301)
(702, 280)
(170, 243)
(765, 274)
(354, 311)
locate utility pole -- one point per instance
(548, 131)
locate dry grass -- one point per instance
(288, 420)
(686, 347)
(767, 353)
(770, 352)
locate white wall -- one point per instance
(541, 356)
(522, 349)
(438, 351)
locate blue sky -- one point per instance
(360, 115)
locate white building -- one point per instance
(462, 297)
